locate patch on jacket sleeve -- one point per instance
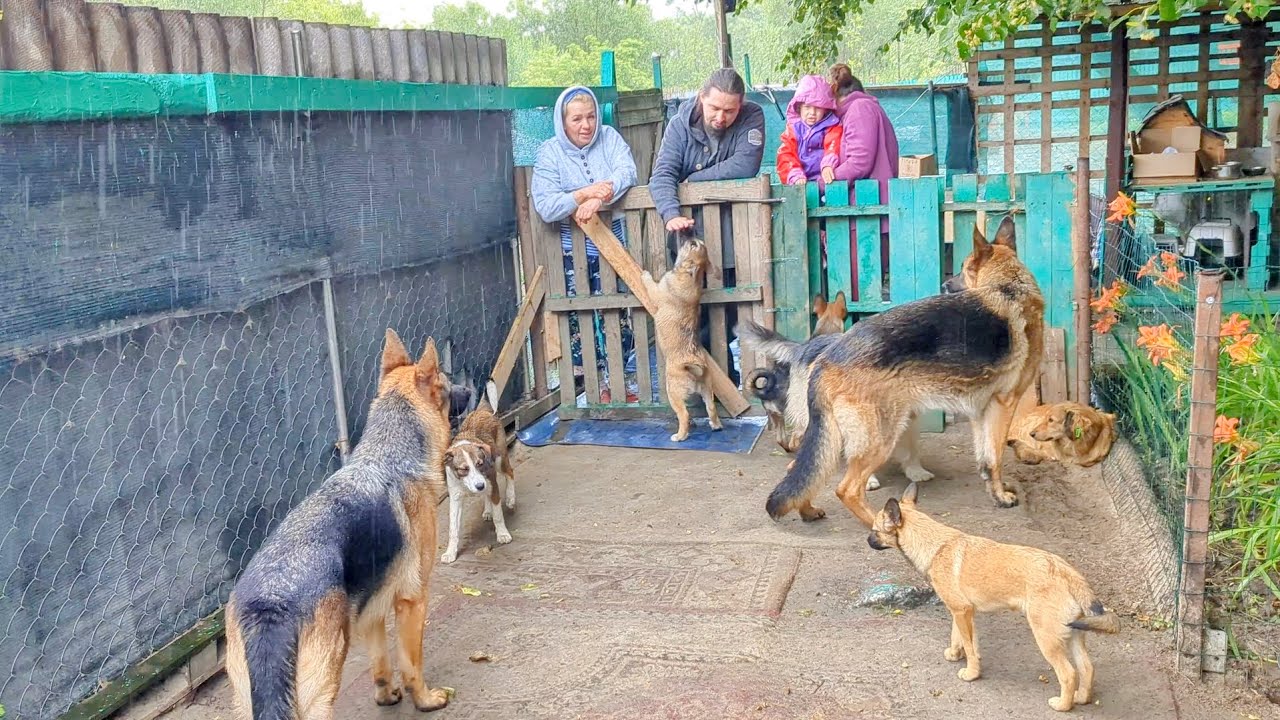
(755, 137)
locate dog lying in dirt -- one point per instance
(677, 297)
(972, 574)
(1065, 432)
(471, 467)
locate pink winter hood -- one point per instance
(812, 90)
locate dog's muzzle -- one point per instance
(876, 544)
(954, 284)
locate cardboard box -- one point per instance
(917, 166)
(1210, 147)
(1165, 167)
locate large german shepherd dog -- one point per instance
(973, 350)
(359, 548)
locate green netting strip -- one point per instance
(27, 97)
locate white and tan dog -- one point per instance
(471, 467)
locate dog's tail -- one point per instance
(815, 459)
(777, 348)
(763, 384)
(697, 370)
(1097, 619)
(270, 631)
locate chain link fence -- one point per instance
(166, 385)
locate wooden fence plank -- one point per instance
(839, 260)
(964, 189)
(419, 56)
(112, 48)
(401, 66)
(70, 38)
(791, 264)
(529, 264)
(718, 338)
(483, 61)
(745, 272)
(212, 43)
(383, 66)
(266, 46)
(344, 63)
(471, 51)
(637, 246)
(319, 54)
(870, 268)
(1045, 244)
(760, 230)
(362, 53)
(586, 320)
(612, 322)
(817, 254)
(530, 309)
(547, 244)
(149, 49)
(449, 59)
(435, 57)
(656, 252)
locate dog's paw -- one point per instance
(918, 474)
(435, 699)
(510, 503)
(1057, 703)
(504, 538)
(968, 675)
(678, 437)
(813, 513)
(953, 654)
(386, 694)
(1083, 697)
(448, 556)
(873, 482)
(487, 515)
(1006, 499)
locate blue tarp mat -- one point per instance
(738, 436)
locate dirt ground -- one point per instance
(651, 584)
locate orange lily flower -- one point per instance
(1234, 326)
(1171, 278)
(1122, 208)
(1107, 321)
(1159, 343)
(1109, 297)
(1226, 430)
(1243, 350)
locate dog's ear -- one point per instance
(894, 512)
(1068, 421)
(1007, 234)
(842, 305)
(909, 495)
(981, 248)
(431, 379)
(819, 304)
(448, 457)
(393, 353)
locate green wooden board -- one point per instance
(867, 192)
(814, 241)
(791, 294)
(964, 190)
(839, 265)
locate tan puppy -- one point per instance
(973, 574)
(676, 321)
(1067, 432)
(471, 467)
(831, 316)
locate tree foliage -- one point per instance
(558, 42)
(966, 24)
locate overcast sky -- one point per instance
(393, 12)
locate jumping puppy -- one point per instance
(973, 351)
(677, 297)
(973, 574)
(1067, 432)
(471, 467)
(357, 549)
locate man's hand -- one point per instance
(828, 175)
(587, 209)
(676, 224)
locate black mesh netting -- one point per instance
(165, 385)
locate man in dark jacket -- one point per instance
(718, 135)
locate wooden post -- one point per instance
(631, 273)
(529, 262)
(1117, 127)
(1080, 274)
(1195, 535)
(530, 310)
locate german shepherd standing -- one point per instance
(972, 351)
(972, 574)
(360, 546)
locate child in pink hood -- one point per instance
(811, 144)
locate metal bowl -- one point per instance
(1254, 171)
(1227, 171)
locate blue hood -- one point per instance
(559, 118)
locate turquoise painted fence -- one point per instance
(930, 233)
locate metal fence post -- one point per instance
(657, 71)
(608, 78)
(1195, 539)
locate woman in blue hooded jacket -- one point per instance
(586, 167)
